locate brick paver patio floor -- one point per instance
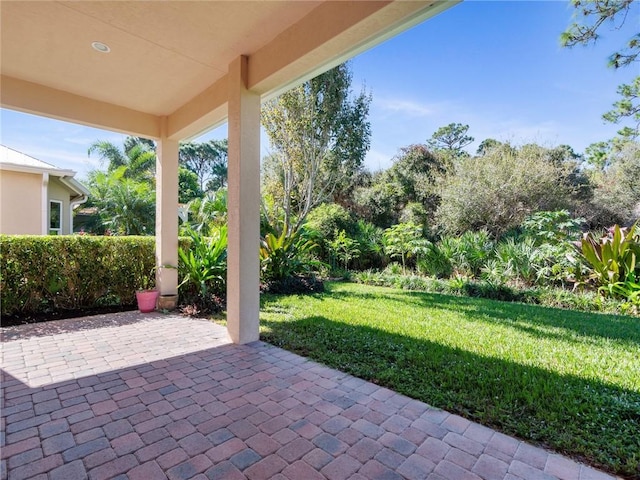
(132, 396)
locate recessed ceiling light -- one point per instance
(101, 47)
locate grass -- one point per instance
(569, 381)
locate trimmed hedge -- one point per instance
(49, 273)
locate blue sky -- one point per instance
(494, 65)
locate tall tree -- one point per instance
(319, 136)
(487, 145)
(410, 182)
(208, 161)
(451, 139)
(589, 17)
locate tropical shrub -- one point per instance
(394, 268)
(208, 213)
(323, 225)
(469, 252)
(552, 227)
(435, 262)
(553, 233)
(344, 249)
(203, 269)
(286, 255)
(514, 262)
(613, 260)
(329, 219)
(404, 241)
(613, 257)
(370, 239)
(126, 206)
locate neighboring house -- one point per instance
(36, 198)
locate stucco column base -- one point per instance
(243, 263)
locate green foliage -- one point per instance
(616, 197)
(320, 137)
(379, 200)
(405, 192)
(136, 161)
(188, 187)
(468, 252)
(498, 190)
(208, 213)
(597, 155)
(553, 257)
(552, 227)
(370, 239)
(404, 241)
(126, 206)
(285, 255)
(627, 107)
(513, 261)
(613, 258)
(333, 230)
(203, 268)
(435, 262)
(208, 161)
(45, 273)
(328, 219)
(451, 139)
(345, 249)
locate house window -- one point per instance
(55, 217)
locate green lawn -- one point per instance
(565, 380)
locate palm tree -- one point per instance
(138, 156)
(126, 206)
(209, 212)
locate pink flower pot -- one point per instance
(147, 300)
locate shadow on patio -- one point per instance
(162, 396)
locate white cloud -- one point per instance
(409, 108)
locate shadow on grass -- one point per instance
(532, 319)
(587, 419)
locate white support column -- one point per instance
(167, 213)
(44, 211)
(243, 264)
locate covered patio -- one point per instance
(154, 396)
(132, 396)
(171, 70)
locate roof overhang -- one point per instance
(65, 176)
(166, 73)
(76, 187)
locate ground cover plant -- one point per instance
(565, 380)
